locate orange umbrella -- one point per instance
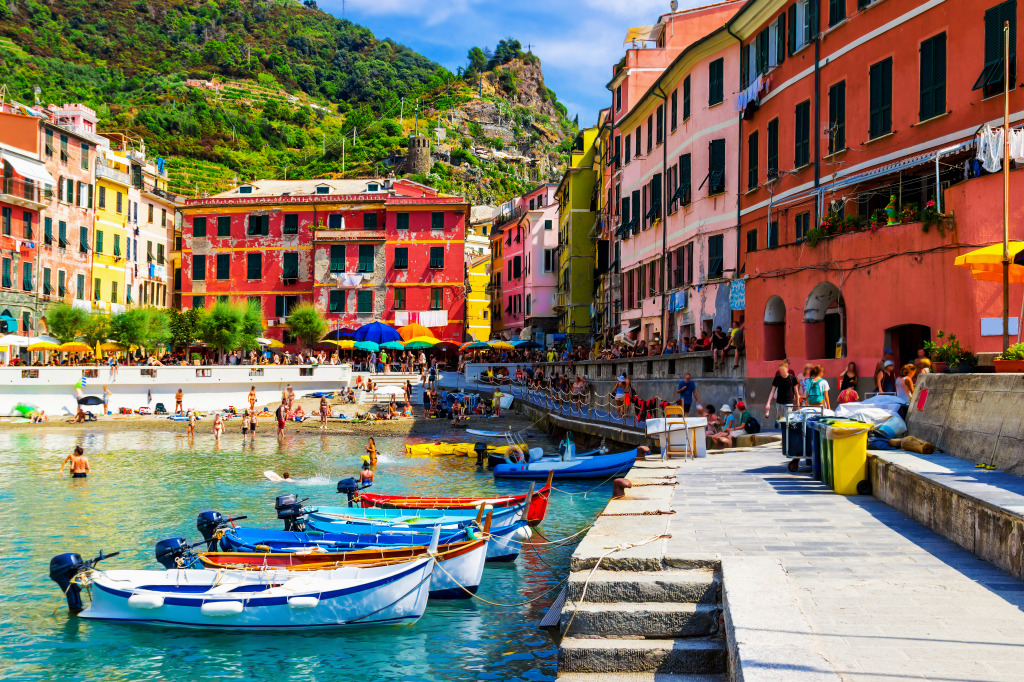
(411, 331)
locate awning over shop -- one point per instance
(29, 168)
(642, 34)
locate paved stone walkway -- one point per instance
(886, 598)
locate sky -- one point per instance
(578, 41)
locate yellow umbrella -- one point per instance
(501, 345)
(429, 340)
(110, 346)
(43, 345)
(989, 255)
(346, 344)
(75, 347)
(414, 331)
(994, 273)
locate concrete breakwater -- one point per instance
(210, 387)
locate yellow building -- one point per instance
(478, 302)
(577, 201)
(110, 233)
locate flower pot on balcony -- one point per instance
(1010, 366)
(940, 367)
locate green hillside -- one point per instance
(275, 87)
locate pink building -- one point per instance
(529, 237)
(673, 193)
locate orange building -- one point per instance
(850, 108)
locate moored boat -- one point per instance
(356, 519)
(573, 466)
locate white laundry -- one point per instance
(434, 318)
(401, 318)
(990, 148)
(1017, 145)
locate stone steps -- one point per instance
(652, 620)
(682, 656)
(696, 586)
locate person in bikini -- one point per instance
(79, 463)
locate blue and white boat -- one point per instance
(249, 600)
(374, 520)
(567, 465)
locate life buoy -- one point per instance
(515, 455)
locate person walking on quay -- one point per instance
(687, 391)
(784, 391)
(382, 363)
(79, 463)
(282, 415)
(178, 398)
(818, 388)
(372, 362)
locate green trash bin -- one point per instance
(827, 451)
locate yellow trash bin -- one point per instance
(849, 455)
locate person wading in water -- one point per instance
(79, 463)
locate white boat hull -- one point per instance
(264, 600)
(463, 571)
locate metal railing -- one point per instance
(112, 174)
(25, 189)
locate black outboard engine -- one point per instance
(289, 509)
(175, 553)
(481, 453)
(208, 523)
(63, 569)
(349, 486)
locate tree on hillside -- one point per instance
(66, 322)
(307, 324)
(477, 61)
(507, 50)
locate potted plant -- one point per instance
(909, 213)
(1011, 360)
(948, 354)
(930, 217)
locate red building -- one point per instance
(849, 105)
(362, 250)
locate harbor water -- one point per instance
(149, 485)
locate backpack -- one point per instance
(814, 396)
(752, 425)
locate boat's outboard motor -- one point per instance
(349, 486)
(208, 523)
(174, 553)
(289, 509)
(63, 569)
(481, 453)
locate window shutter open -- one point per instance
(780, 39)
(791, 34)
(745, 67)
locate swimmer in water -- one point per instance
(286, 477)
(366, 475)
(371, 450)
(80, 463)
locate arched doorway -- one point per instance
(775, 329)
(904, 340)
(825, 322)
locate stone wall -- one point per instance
(976, 417)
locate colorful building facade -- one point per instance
(577, 249)
(828, 279)
(110, 245)
(361, 250)
(478, 272)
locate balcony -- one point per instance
(328, 235)
(560, 300)
(112, 174)
(24, 193)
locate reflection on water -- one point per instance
(147, 486)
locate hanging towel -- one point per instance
(990, 148)
(401, 318)
(434, 318)
(1017, 145)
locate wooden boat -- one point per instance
(573, 466)
(537, 510)
(353, 596)
(357, 519)
(463, 563)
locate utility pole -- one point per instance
(343, 157)
(401, 115)
(323, 144)
(1006, 187)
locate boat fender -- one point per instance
(515, 455)
(303, 602)
(222, 608)
(146, 601)
(471, 533)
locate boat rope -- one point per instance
(642, 485)
(558, 541)
(611, 550)
(589, 490)
(653, 512)
(494, 603)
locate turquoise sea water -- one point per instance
(147, 486)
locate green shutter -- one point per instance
(933, 77)
(880, 122)
(745, 67)
(791, 34)
(290, 265)
(752, 170)
(366, 258)
(686, 98)
(402, 221)
(198, 224)
(337, 258)
(437, 220)
(780, 39)
(812, 20)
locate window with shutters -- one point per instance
(401, 258)
(224, 226)
(933, 77)
(437, 257)
(802, 225)
(117, 245)
(716, 252)
(990, 82)
(83, 239)
(686, 98)
(290, 265)
(399, 298)
(223, 266)
(7, 273)
(803, 24)
(337, 258)
(436, 298)
(685, 179)
(402, 220)
(80, 288)
(618, 98)
(752, 171)
(338, 301)
(778, 43)
(637, 143)
(716, 84)
(103, 197)
(674, 121)
(366, 258)
(198, 223)
(660, 124)
(198, 268)
(47, 289)
(773, 149)
(62, 280)
(364, 301)
(802, 135)
(716, 167)
(650, 133)
(48, 230)
(259, 225)
(836, 11)
(99, 241)
(437, 220)
(761, 52)
(254, 266)
(159, 252)
(880, 121)
(837, 117)
(62, 234)
(634, 222)
(291, 223)
(627, 149)
(745, 70)
(120, 203)
(751, 241)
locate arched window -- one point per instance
(775, 329)
(825, 322)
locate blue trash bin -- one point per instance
(812, 445)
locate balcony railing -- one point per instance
(112, 174)
(560, 299)
(24, 193)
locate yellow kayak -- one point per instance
(449, 450)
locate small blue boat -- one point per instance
(374, 520)
(571, 466)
